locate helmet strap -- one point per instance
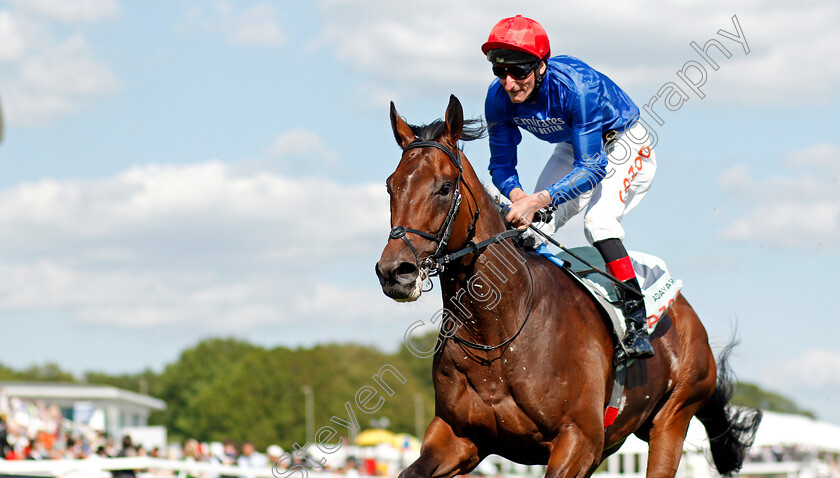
(538, 80)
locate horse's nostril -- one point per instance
(403, 275)
(405, 269)
(380, 274)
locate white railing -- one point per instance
(156, 467)
(150, 467)
(792, 469)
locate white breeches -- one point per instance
(630, 171)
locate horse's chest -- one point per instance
(489, 391)
(490, 401)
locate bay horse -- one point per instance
(524, 367)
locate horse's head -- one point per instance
(429, 215)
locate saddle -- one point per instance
(659, 288)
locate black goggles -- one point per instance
(518, 71)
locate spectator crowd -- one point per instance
(34, 431)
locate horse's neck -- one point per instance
(489, 294)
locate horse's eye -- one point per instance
(445, 189)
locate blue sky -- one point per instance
(179, 170)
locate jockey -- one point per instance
(603, 163)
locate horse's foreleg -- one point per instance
(443, 454)
(574, 454)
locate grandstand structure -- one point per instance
(786, 446)
(104, 408)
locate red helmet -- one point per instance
(521, 34)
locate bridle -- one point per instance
(435, 263)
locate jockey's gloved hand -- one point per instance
(544, 221)
(544, 215)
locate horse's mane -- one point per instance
(473, 129)
(496, 199)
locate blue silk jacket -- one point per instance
(576, 104)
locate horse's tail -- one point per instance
(731, 429)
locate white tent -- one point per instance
(779, 429)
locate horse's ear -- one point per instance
(402, 131)
(454, 119)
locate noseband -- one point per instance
(434, 264)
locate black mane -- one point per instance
(473, 129)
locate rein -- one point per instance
(487, 348)
(435, 264)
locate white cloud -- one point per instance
(44, 77)
(68, 70)
(640, 45)
(24, 35)
(198, 202)
(57, 82)
(11, 39)
(206, 243)
(302, 150)
(793, 225)
(814, 368)
(253, 26)
(797, 209)
(421, 50)
(791, 58)
(72, 11)
(256, 26)
(823, 155)
(136, 299)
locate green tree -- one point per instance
(183, 381)
(262, 399)
(255, 401)
(142, 382)
(49, 372)
(6, 373)
(226, 389)
(751, 395)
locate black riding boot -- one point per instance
(618, 264)
(636, 339)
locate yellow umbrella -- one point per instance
(374, 436)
